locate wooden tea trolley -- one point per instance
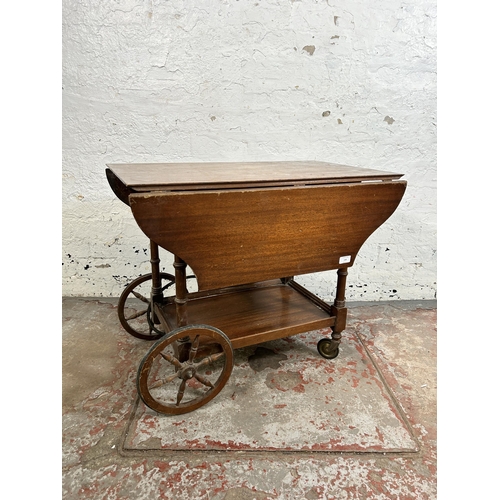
(245, 230)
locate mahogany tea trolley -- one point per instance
(245, 230)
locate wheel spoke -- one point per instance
(180, 394)
(194, 348)
(208, 360)
(203, 380)
(137, 315)
(137, 295)
(171, 359)
(164, 381)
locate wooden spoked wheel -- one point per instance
(134, 307)
(185, 370)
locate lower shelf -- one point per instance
(255, 314)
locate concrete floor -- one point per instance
(288, 425)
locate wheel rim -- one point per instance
(134, 303)
(170, 386)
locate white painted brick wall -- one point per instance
(346, 81)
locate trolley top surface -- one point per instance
(195, 176)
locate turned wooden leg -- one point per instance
(180, 291)
(183, 345)
(330, 348)
(156, 288)
(339, 307)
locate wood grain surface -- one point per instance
(136, 177)
(254, 315)
(236, 236)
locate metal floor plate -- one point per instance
(283, 396)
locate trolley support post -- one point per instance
(156, 293)
(339, 309)
(183, 346)
(180, 291)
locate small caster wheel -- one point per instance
(185, 369)
(324, 348)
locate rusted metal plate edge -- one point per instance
(180, 453)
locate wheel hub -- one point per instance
(187, 371)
